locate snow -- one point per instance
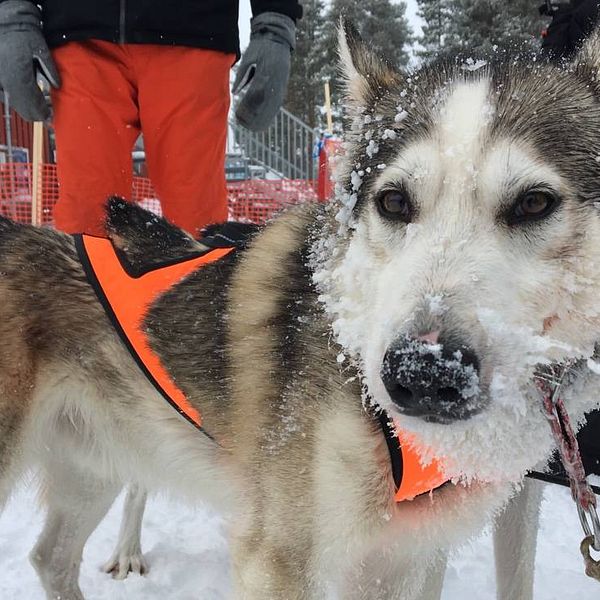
(402, 114)
(356, 180)
(559, 573)
(593, 366)
(473, 65)
(187, 552)
(372, 148)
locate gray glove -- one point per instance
(24, 52)
(264, 70)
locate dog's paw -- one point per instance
(121, 564)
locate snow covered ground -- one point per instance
(187, 552)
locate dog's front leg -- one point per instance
(389, 574)
(515, 538)
(434, 578)
(127, 557)
(266, 572)
(77, 502)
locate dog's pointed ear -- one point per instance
(587, 59)
(368, 76)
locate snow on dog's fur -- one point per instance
(462, 150)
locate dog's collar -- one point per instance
(411, 478)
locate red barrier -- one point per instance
(253, 200)
(329, 149)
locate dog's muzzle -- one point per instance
(437, 382)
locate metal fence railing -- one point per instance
(286, 148)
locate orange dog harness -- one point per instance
(412, 478)
(127, 297)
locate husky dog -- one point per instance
(462, 253)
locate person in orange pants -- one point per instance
(124, 67)
(99, 113)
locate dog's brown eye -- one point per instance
(395, 204)
(533, 203)
(532, 206)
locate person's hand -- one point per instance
(264, 70)
(24, 52)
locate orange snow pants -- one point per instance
(178, 97)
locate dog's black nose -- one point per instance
(436, 381)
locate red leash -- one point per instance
(554, 409)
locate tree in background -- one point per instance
(388, 31)
(449, 25)
(481, 24)
(381, 22)
(474, 25)
(305, 88)
(437, 20)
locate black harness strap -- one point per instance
(557, 479)
(393, 446)
(396, 458)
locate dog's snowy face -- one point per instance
(468, 250)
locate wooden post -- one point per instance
(36, 173)
(328, 108)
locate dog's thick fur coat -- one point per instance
(280, 348)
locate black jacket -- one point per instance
(570, 25)
(197, 23)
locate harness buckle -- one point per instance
(591, 531)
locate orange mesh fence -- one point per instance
(16, 190)
(254, 200)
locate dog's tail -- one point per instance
(130, 221)
(129, 224)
